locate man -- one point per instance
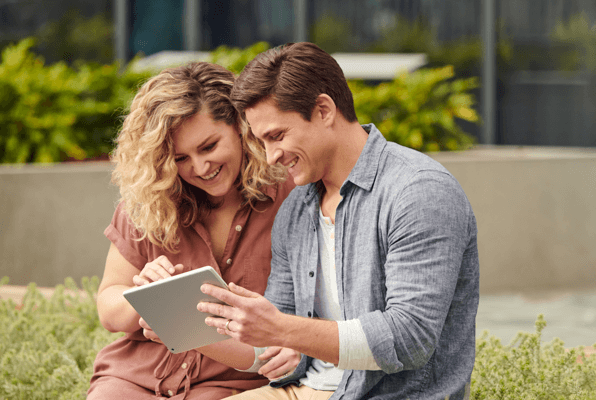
(374, 275)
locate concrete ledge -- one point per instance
(536, 215)
(52, 220)
(534, 206)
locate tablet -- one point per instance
(169, 306)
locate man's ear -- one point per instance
(326, 109)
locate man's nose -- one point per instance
(274, 154)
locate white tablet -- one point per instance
(169, 306)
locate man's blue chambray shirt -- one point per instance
(407, 268)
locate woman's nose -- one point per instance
(200, 166)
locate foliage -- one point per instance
(419, 109)
(74, 37)
(47, 346)
(576, 32)
(51, 113)
(234, 58)
(47, 349)
(528, 370)
(333, 34)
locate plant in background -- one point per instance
(528, 370)
(48, 346)
(74, 37)
(577, 33)
(52, 113)
(333, 34)
(235, 59)
(419, 109)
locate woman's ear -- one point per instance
(326, 109)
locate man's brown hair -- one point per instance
(294, 75)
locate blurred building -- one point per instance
(536, 58)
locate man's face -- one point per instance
(291, 140)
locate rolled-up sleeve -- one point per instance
(427, 236)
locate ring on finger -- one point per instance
(227, 327)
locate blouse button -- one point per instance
(170, 393)
(184, 365)
(311, 274)
(238, 228)
(229, 261)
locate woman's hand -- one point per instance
(148, 332)
(282, 362)
(156, 270)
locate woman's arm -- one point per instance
(115, 313)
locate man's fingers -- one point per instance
(239, 290)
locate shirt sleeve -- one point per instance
(429, 231)
(123, 234)
(257, 363)
(354, 352)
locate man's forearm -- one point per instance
(316, 338)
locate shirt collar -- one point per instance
(271, 191)
(365, 171)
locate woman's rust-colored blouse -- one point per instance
(246, 262)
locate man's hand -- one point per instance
(148, 332)
(249, 317)
(282, 362)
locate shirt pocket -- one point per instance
(256, 273)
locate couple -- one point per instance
(369, 267)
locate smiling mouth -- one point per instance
(212, 175)
(290, 165)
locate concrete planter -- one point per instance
(536, 212)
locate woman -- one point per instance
(195, 192)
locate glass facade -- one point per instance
(545, 50)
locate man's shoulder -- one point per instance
(296, 202)
(396, 156)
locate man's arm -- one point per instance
(257, 322)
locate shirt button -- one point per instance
(229, 261)
(238, 228)
(184, 365)
(170, 393)
(311, 274)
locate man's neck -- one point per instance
(351, 139)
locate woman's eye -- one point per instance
(179, 159)
(210, 147)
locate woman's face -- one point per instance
(208, 155)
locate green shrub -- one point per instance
(419, 109)
(48, 346)
(52, 113)
(235, 59)
(527, 369)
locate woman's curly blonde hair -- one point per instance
(155, 198)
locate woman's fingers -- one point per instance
(158, 269)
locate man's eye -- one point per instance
(276, 136)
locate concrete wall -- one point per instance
(536, 212)
(52, 220)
